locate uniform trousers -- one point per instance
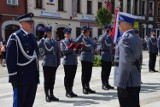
(49, 77)
(24, 95)
(70, 72)
(86, 73)
(131, 99)
(106, 69)
(152, 61)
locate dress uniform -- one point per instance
(68, 48)
(153, 51)
(106, 53)
(51, 61)
(22, 63)
(159, 44)
(128, 54)
(86, 57)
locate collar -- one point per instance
(85, 36)
(126, 32)
(48, 38)
(153, 36)
(26, 33)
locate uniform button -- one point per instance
(27, 51)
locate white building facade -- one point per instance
(60, 14)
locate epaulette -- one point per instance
(126, 35)
(13, 37)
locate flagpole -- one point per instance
(116, 29)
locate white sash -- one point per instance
(29, 57)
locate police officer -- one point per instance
(86, 57)
(159, 43)
(69, 61)
(127, 63)
(106, 53)
(153, 50)
(50, 63)
(22, 62)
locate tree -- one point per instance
(103, 17)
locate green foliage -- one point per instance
(97, 61)
(103, 17)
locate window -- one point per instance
(158, 9)
(136, 7)
(143, 8)
(151, 8)
(89, 7)
(78, 31)
(91, 32)
(39, 4)
(78, 6)
(60, 5)
(12, 2)
(113, 7)
(128, 6)
(121, 6)
(99, 32)
(99, 5)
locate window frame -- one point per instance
(10, 2)
(100, 30)
(40, 7)
(100, 4)
(89, 10)
(152, 14)
(136, 7)
(158, 9)
(78, 29)
(79, 9)
(60, 2)
(145, 8)
(129, 6)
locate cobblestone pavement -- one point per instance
(149, 96)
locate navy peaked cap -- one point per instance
(107, 27)
(126, 19)
(136, 31)
(84, 28)
(26, 17)
(48, 29)
(67, 30)
(153, 30)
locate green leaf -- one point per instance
(103, 17)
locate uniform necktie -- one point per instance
(29, 35)
(51, 41)
(70, 40)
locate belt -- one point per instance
(87, 51)
(117, 63)
(106, 50)
(72, 53)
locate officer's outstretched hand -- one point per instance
(14, 84)
(123, 92)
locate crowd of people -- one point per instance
(22, 55)
(3, 53)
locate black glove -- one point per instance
(123, 92)
(14, 84)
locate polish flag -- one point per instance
(115, 33)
